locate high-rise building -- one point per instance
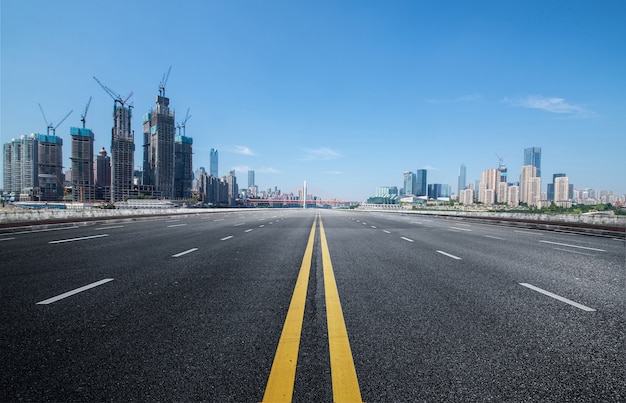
(502, 171)
(561, 189)
(550, 186)
(528, 172)
(532, 156)
(233, 189)
(183, 173)
(50, 167)
(159, 132)
(7, 172)
(122, 152)
(462, 179)
(195, 184)
(489, 181)
(83, 188)
(213, 162)
(250, 179)
(513, 196)
(435, 191)
(102, 175)
(421, 188)
(534, 191)
(410, 183)
(502, 192)
(21, 167)
(466, 197)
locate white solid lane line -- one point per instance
(407, 239)
(573, 246)
(449, 255)
(226, 238)
(6, 239)
(185, 252)
(79, 239)
(562, 299)
(76, 291)
(176, 225)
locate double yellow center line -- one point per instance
(283, 374)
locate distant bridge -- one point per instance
(297, 203)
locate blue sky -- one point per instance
(344, 94)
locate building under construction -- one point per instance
(122, 153)
(50, 167)
(122, 146)
(83, 189)
(159, 133)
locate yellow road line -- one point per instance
(283, 373)
(343, 373)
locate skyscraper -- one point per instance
(532, 156)
(250, 179)
(550, 186)
(421, 188)
(102, 175)
(213, 162)
(159, 133)
(183, 175)
(561, 190)
(528, 172)
(410, 183)
(462, 179)
(122, 152)
(21, 164)
(83, 189)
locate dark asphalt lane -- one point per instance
(429, 327)
(204, 326)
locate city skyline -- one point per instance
(347, 105)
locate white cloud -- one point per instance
(243, 150)
(320, 154)
(554, 105)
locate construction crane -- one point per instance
(182, 125)
(500, 159)
(84, 115)
(50, 125)
(163, 82)
(116, 97)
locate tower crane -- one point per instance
(182, 125)
(116, 97)
(84, 115)
(164, 82)
(50, 125)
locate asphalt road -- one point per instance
(193, 309)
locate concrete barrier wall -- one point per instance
(15, 215)
(617, 221)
